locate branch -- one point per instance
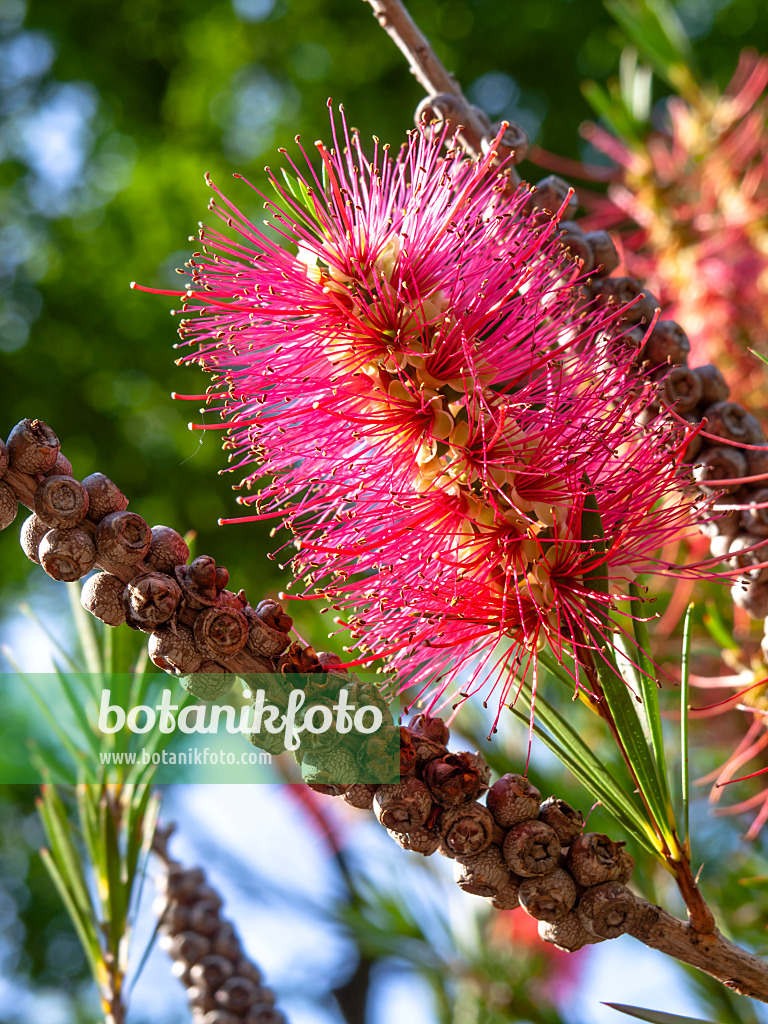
(446, 100)
(738, 970)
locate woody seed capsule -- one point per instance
(61, 501)
(607, 910)
(467, 828)
(122, 538)
(606, 259)
(360, 795)
(32, 447)
(512, 799)
(67, 555)
(32, 532)
(714, 387)
(594, 858)
(102, 596)
(717, 465)
(668, 343)
(755, 520)
(561, 817)
(418, 840)
(9, 505)
(174, 651)
(150, 600)
(456, 778)
(507, 898)
(482, 874)
(681, 389)
(548, 897)
(403, 806)
(568, 933)
(3, 458)
(103, 496)
(531, 848)
(166, 550)
(732, 421)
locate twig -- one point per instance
(712, 953)
(447, 101)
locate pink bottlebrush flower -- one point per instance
(434, 408)
(692, 203)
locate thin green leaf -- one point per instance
(83, 925)
(656, 1016)
(75, 701)
(85, 629)
(649, 691)
(684, 698)
(617, 695)
(557, 734)
(58, 830)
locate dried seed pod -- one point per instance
(607, 910)
(752, 597)
(9, 505)
(360, 795)
(104, 497)
(263, 639)
(32, 447)
(67, 555)
(330, 771)
(208, 682)
(605, 256)
(623, 290)
(61, 467)
(221, 632)
(3, 458)
(457, 778)
(219, 1017)
(431, 727)
(61, 501)
(180, 884)
(716, 520)
(331, 662)
(714, 387)
(482, 874)
(226, 943)
(466, 828)
(173, 917)
(32, 532)
(531, 848)
(680, 389)
(150, 600)
(695, 445)
(755, 520)
(425, 749)
(167, 549)
(236, 995)
(575, 242)
(747, 552)
(667, 343)
(403, 806)
(188, 947)
(732, 421)
(204, 917)
(273, 615)
(509, 897)
(513, 144)
(627, 866)
(564, 819)
(717, 465)
(550, 193)
(512, 799)
(548, 897)
(212, 971)
(757, 461)
(419, 840)
(198, 582)
(174, 650)
(594, 858)
(102, 596)
(568, 933)
(122, 538)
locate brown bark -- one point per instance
(712, 953)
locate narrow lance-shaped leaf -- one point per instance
(684, 698)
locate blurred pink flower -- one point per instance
(692, 206)
(433, 407)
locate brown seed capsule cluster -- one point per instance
(513, 849)
(199, 630)
(223, 985)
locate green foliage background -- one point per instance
(112, 113)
